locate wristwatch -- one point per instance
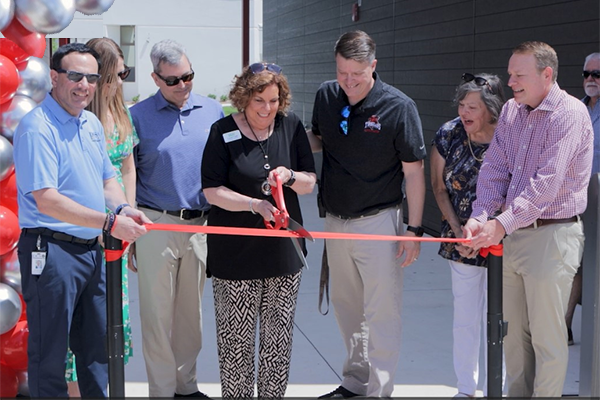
(292, 179)
(417, 230)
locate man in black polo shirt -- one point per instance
(371, 137)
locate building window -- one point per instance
(128, 47)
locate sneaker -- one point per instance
(195, 394)
(570, 341)
(461, 394)
(339, 393)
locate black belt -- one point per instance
(367, 214)
(63, 237)
(183, 214)
(542, 222)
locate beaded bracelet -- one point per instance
(120, 208)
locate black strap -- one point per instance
(324, 282)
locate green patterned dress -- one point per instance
(117, 151)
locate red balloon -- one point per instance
(5, 106)
(9, 230)
(23, 316)
(8, 193)
(13, 346)
(9, 382)
(32, 43)
(9, 76)
(10, 49)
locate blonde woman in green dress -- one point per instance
(120, 135)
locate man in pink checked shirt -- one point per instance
(535, 173)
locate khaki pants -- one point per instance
(539, 266)
(171, 274)
(366, 293)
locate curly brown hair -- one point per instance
(248, 83)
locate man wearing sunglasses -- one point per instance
(536, 174)
(65, 182)
(173, 126)
(372, 142)
(591, 86)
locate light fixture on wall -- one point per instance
(355, 10)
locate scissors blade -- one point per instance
(299, 229)
(298, 248)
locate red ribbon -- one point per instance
(495, 250)
(113, 255)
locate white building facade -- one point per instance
(210, 30)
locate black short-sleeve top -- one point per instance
(232, 160)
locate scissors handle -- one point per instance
(281, 215)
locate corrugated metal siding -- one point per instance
(424, 46)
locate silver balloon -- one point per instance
(35, 80)
(11, 271)
(91, 7)
(45, 16)
(7, 165)
(10, 308)
(23, 383)
(19, 106)
(7, 12)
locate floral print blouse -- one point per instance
(460, 175)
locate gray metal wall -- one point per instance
(424, 46)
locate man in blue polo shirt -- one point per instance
(173, 127)
(65, 181)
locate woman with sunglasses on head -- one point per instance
(255, 279)
(120, 136)
(456, 156)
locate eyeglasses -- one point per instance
(344, 124)
(75, 76)
(595, 74)
(125, 73)
(257, 68)
(174, 80)
(479, 81)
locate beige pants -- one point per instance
(171, 274)
(539, 266)
(366, 293)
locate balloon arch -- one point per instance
(25, 81)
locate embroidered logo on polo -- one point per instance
(372, 125)
(96, 136)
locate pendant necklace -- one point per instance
(471, 149)
(265, 188)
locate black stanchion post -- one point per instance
(114, 319)
(496, 326)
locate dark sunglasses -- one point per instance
(595, 74)
(344, 123)
(125, 73)
(479, 81)
(257, 68)
(174, 80)
(75, 76)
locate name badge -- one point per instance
(38, 262)
(231, 136)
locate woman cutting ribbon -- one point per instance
(255, 279)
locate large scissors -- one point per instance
(282, 220)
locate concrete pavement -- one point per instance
(425, 368)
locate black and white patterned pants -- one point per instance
(239, 306)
